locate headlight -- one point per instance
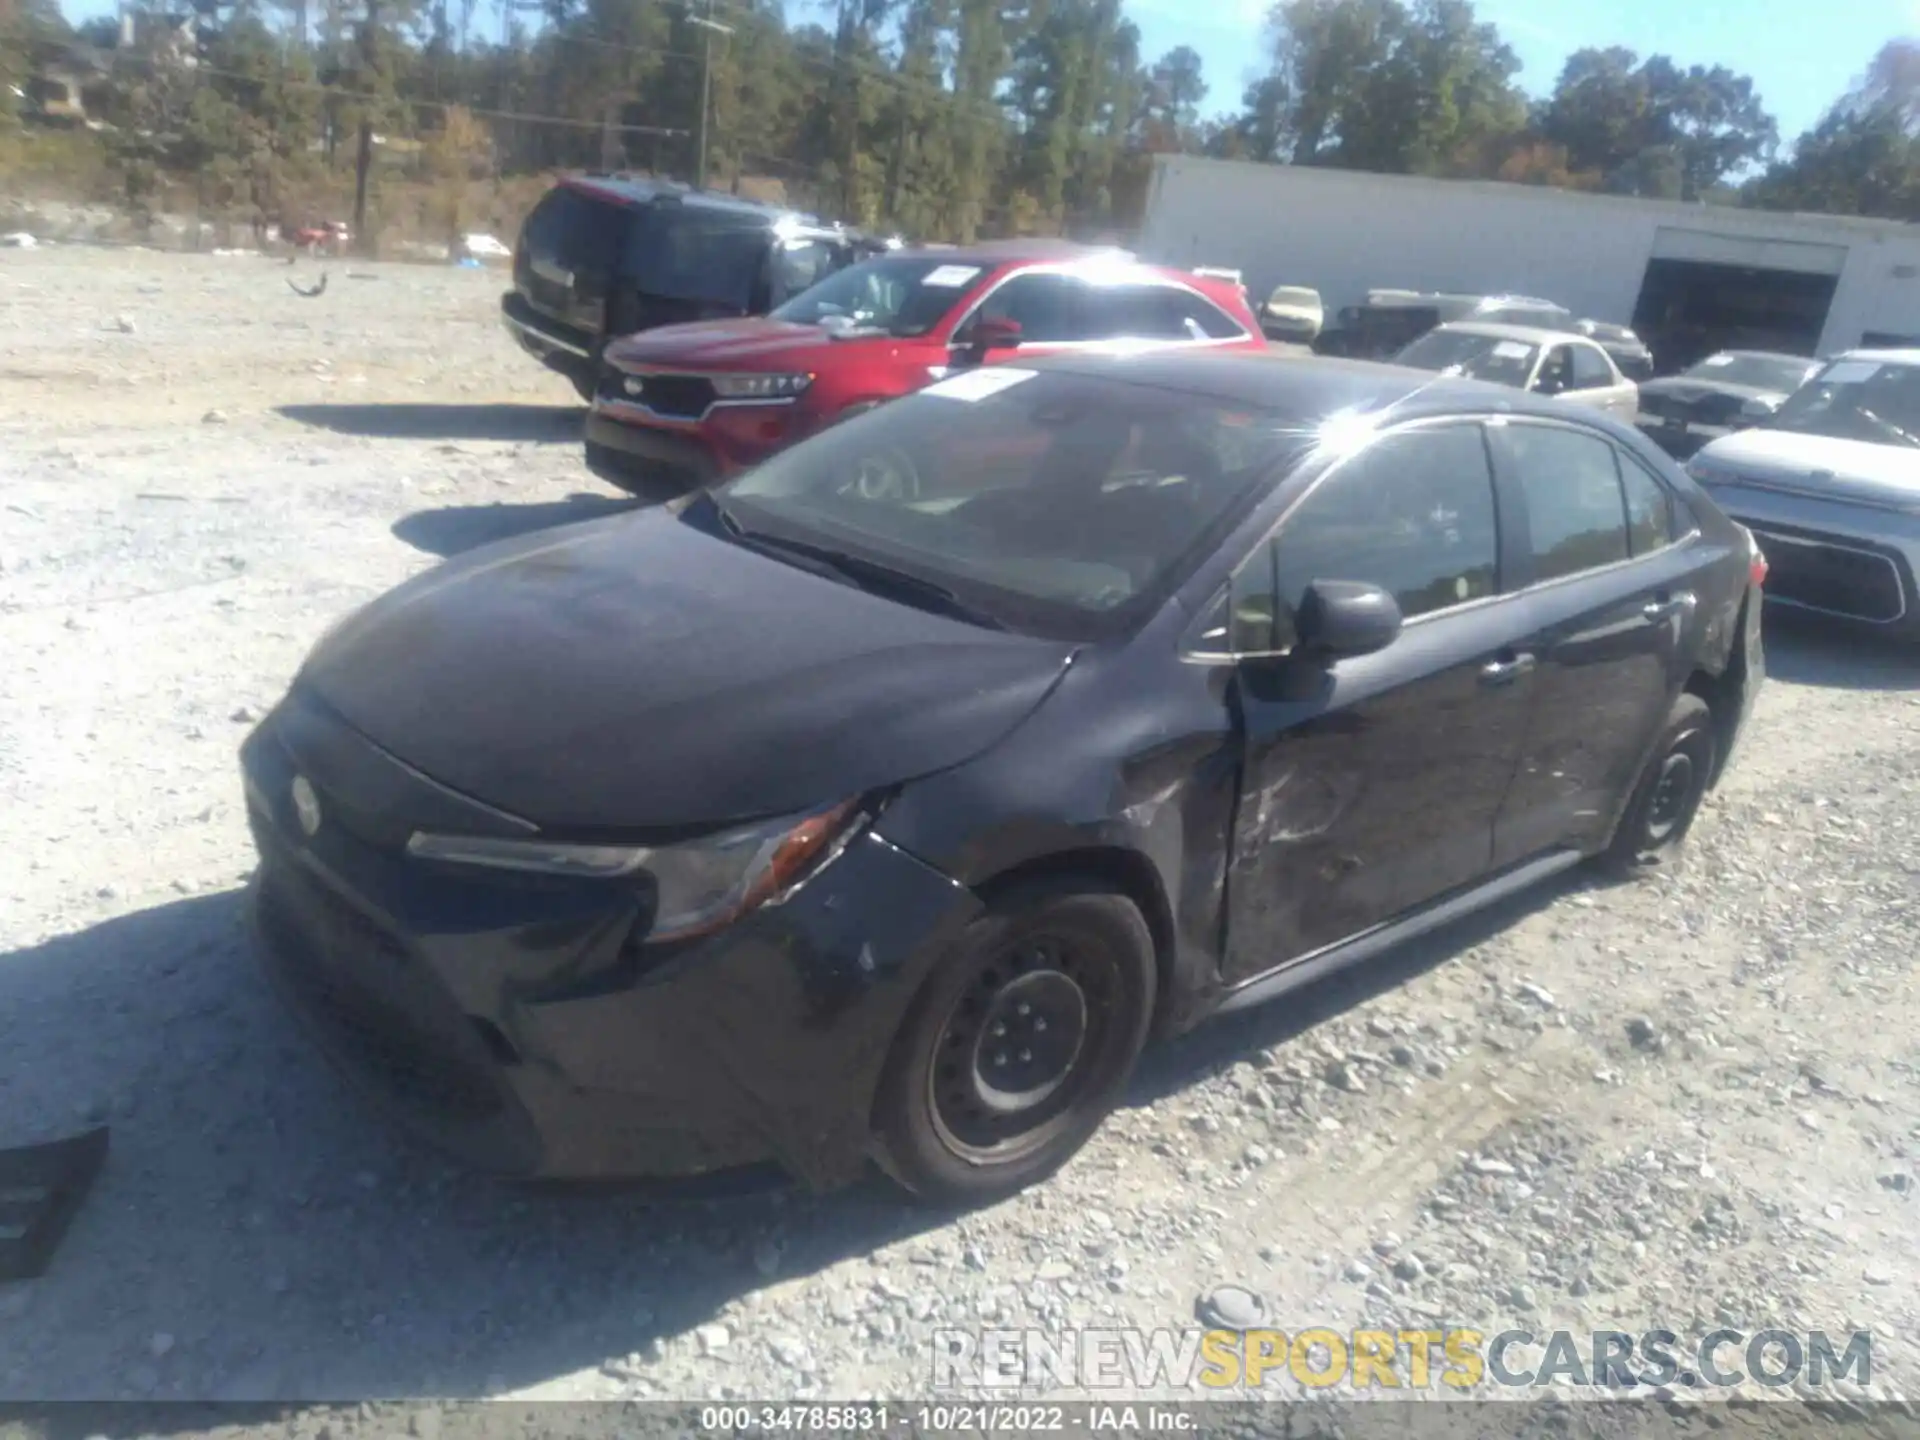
(699, 886)
(760, 387)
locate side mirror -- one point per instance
(993, 332)
(1338, 618)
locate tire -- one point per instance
(1073, 952)
(1653, 829)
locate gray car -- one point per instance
(1830, 485)
(1724, 392)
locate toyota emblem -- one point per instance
(306, 806)
(633, 385)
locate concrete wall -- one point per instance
(1344, 233)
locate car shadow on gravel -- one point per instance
(455, 528)
(259, 1234)
(504, 423)
(1806, 650)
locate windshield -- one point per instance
(1480, 357)
(1056, 504)
(903, 296)
(1782, 373)
(1857, 400)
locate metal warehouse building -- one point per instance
(1688, 278)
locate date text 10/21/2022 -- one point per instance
(947, 1417)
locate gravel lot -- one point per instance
(1682, 1103)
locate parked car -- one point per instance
(682, 406)
(1544, 362)
(1721, 393)
(1292, 315)
(1391, 319)
(1830, 484)
(1629, 352)
(810, 820)
(605, 256)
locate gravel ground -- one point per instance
(1681, 1103)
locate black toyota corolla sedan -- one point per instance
(881, 803)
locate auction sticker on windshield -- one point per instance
(979, 384)
(950, 277)
(1512, 350)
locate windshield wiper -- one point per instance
(873, 576)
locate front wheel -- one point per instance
(1667, 798)
(1019, 1045)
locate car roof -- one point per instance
(639, 190)
(1769, 355)
(1884, 357)
(1298, 385)
(1016, 252)
(1527, 334)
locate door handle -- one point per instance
(1505, 672)
(1654, 611)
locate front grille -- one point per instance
(679, 397)
(1834, 579)
(370, 994)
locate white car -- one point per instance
(1546, 362)
(1830, 485)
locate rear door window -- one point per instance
(1650, 514)
(569, 235)
(1157, 312)
(1576, 515)
(683, 254)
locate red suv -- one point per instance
(685, 404)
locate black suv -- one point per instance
(603, 256)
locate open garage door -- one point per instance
(1705, 292)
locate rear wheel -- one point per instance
(1667, 798)
(1019, 1045)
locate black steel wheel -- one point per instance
(1654, 826)
(1019, 1045)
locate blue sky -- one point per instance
(1801, 53)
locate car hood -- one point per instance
(756, 343)
(638, 674)
(1880, 475)
(1690, 390)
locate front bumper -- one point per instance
(558, 347)
(515, 1022)
(647, 452)
(1843, 562)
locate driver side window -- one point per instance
(1047, 308)
(1412, 513)
(1556, 372)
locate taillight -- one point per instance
(1756, 561)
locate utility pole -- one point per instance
(363, 158)
(711, 27)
